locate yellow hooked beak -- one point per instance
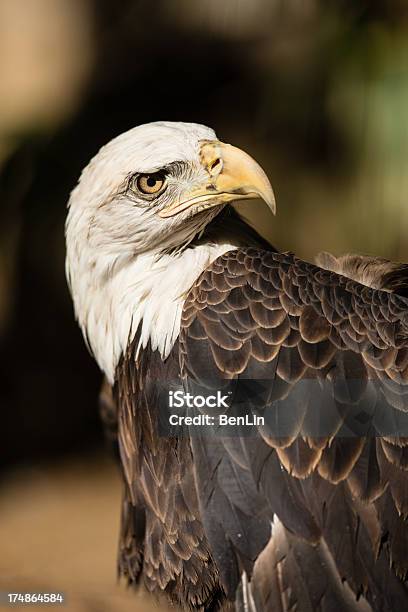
(232, 175)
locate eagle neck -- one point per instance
(145, 293)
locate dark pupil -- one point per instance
(151, 182)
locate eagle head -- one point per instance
(146, 194)
(158, 185)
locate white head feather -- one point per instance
(116, 278)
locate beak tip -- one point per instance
(269, 198)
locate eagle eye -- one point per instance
(149, 184)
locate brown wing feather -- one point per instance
(162, 538)
(333, 355)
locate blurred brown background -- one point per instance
(317, 91)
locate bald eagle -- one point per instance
(280, 482)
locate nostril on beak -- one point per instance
(215, 166)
